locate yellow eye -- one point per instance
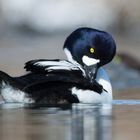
(91, 50)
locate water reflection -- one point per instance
(91, 122)
(75, 122)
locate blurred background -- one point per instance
(32, 29)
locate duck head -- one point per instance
(90, 48)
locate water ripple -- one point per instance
(126, 102)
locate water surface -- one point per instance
(71, 122)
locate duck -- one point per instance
(79, 79)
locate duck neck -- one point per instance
(91, 72)
(70, 58)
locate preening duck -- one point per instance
(81, 78)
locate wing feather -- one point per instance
(55, 87)
(56, 65)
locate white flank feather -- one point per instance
(89, 96)
(11, 95)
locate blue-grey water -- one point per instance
(116, 121)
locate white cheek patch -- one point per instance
(89, 61)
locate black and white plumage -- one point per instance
(78, 79)
(46, 66)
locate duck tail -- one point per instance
(6, 79)
(9, 80)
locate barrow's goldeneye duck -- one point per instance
(81, 78)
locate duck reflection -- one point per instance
(91, 122)
(75, 122)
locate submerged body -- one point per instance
(80, 79)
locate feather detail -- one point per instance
(46, 66)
